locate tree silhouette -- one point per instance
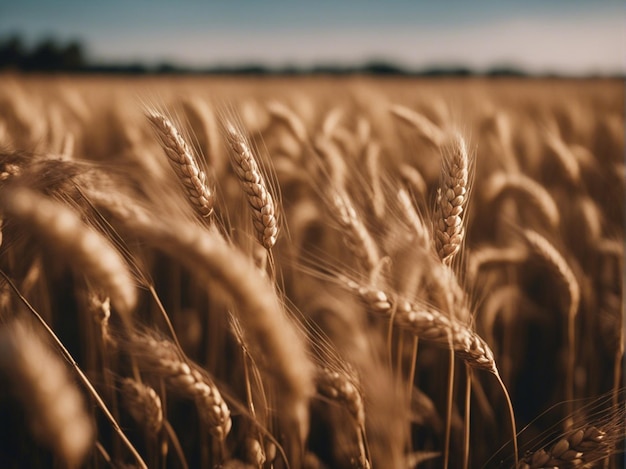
(48, 55)
(11, 52)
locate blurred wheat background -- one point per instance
(327, 270)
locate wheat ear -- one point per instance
(163, 358)
(143, 405)
(87, 250)
(100, 308)
(424, 126)
(528, 190)
(204, 122)
(254, 185)
(282, 113)
(564, 156)
(184, 164)
(333, 159)
(340, 387)
(579, 448)
(331, 121)
(372, 163)
(54, 407)
(413, 179)
(490, 256)
(414, 219)
(356, 236)
(427, 324)
(452, 196)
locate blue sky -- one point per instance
(571, 36)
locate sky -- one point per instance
(565, 36)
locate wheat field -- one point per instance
(311, 272)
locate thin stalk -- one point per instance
(166, 318)
(413, 366)
(468, 398)
(103, 452)
(399, 352)
(176, 444)
(410, 382)
(164, 446)
(512, 417)
(450, 398)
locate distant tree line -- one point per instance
(46, 56)
(49, 55)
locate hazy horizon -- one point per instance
(570, 37)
